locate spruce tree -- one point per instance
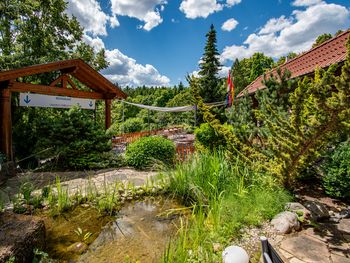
(209, 88)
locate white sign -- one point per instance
(46, 101)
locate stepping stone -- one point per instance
(307, 249)
(344, 226)
(339, 259)
(295, 260)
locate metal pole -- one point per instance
(122, 116)
(195, 115)
(149, 125)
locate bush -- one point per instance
(208, 138)
(75, 141)
(148, 150)
(337, 168)
(132, 125)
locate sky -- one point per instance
(159, 42)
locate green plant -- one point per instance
(12, 259)
(108, 201)
(337, 172)
(208, 138)
(226, 196)
(63, 200)
(146, 151)
(83, 237)
(41, 257)
(26, 190)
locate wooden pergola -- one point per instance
(10, 81)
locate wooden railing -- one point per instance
(184, 151)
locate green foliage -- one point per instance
(248, 69)
(208, 138)
(133, 125)
(39, 31)
(41, 257)
(226, 196)
(147, 150)
(321, 38)
(74, 140)
(337, 172)
(209, 68)
(295, 124)
(83, 236)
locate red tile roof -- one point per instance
(324, 55)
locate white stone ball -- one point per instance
(235, 254)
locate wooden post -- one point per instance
(5, 123)
(108, 117)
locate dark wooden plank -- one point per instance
(54, 91)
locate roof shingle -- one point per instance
(322, 56)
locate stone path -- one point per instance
(327, 243)
(75, 181)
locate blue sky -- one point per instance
(159, 42)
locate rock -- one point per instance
(298, 208)
(285, 222)
(19, 235)
(344, 226)
(345, 213)
(318, 210)
(77, 248)
(235, 254)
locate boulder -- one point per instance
(318, 210)
(285, 222)
(19, 235)
(298, 208)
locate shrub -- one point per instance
(207, 137)
(147, 150)
(337, 168)
(132, 125)
(75, 141)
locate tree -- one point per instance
(259, 65)
(320, 39)
(40, 31)
(248, 69)
(209, 68)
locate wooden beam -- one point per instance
(108, 116)
(56, 81)
(69, 65)
(54, 91)
(5, 123)
(71, 83)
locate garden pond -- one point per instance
(140, 231)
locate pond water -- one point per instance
(140, 231)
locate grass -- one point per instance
(226, 197)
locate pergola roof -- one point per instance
(76, 68)
(322, 56)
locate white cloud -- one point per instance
(199, 8)
(91, 16)
(306, 2)
(145, 10)
(275, 25)
(282, 35)
(95, 42)
(223, 72)
(126, 71)
(230, 3)
(229, 25)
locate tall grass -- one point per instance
(227, 196)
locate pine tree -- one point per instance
(209, 88)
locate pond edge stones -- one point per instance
(285, 222)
